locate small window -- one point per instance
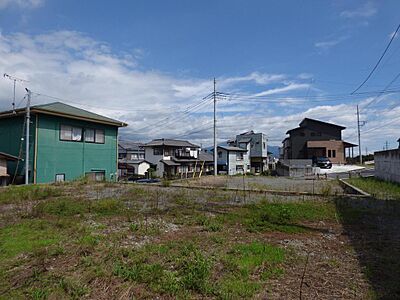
(99, 136)
(70, 133)
(89, 135)
(134, 156)
(66, 133)
(312, 133)
(141, 156)
(333, 153)
(60, 177)
(219, 154)
(329, 153)
(319, 133)
(157, 151)
(263, 145)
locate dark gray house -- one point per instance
(314, 138)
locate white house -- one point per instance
(233, 160)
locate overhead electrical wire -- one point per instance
(378, 62)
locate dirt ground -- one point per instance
(89, 238)
(322, 185)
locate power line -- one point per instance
(386, 87)
(377, 64)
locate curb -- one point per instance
(352, 189)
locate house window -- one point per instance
(70, 133)
(168, 152)
(157, 151)
(99, 136)
(263, 145)
(134, 156)
(141, 156)
(333, 153)
(219, 154)
(329, 153)
(60, 177)
(96, 175)
(239, 156)
(89, 135)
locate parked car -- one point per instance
(322, 162)
(150, 180)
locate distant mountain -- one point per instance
(274, 150)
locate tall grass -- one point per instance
(14, 194)
(377, 188)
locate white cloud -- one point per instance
(365, 11)
(392, 34)
(21, 3)
(325, 45)
(87, 73)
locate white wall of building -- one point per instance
(387, 165)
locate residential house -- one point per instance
(314, 138)
(5, 177)
(66, 143)
(131, 160)
(258, 149)
(232, 160)
(177, 158)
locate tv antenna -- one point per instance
(14, 79)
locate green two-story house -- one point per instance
(66, 143)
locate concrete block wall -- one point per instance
(387, 165)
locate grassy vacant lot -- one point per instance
(110, 241)
(378, 188)
(268, 183)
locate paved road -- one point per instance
(364, 173)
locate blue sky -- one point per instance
(146, 61)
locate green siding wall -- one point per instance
(11, 130)
(73, 159)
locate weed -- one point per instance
(208, 223)
(134, 227)
(62, 207)
(26, 237)
(165, 182)
(378, 188)
(326, 190)
(242, 263)
(285, 217)
(73, 288)
(194, 269)
(107, 207)
(13, 194)
(39, 294)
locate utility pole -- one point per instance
(215, 129)
(14, 79)
(28, 120)
(359, 134)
